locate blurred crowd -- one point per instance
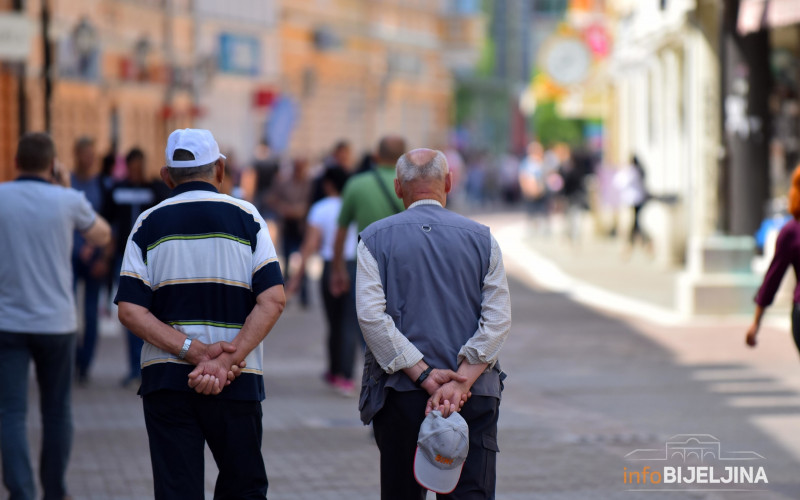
(300, 199)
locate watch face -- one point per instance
(567, 60)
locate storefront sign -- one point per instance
(16, 33)
(239, 54)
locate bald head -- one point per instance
(422, 174)
(422, 164)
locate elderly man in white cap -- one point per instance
(201, 285)
(434, 307)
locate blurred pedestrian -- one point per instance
(266, 167)
(432, 298)
(341, 158)
(201, 285)
(340, 312)
(289, 199)
(90, 263)
(534, 189)
(37, 312)
(630, 182)
(509, 179)
(576, 201)
(367, 163)
(787, 252)
(127, 200)
(367, 197)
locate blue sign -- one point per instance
(279, 128)
(239, 54)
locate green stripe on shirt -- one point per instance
(198, 237)
(217, 324)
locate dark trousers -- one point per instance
(134, 355)
(134, 343)
(292, 240)
(53, 357)
(343, 329)
(178, 426)
(87, 344)
(396, 429)
(796, 325)
(636, 228)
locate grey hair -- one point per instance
(184, 174)
(408, 171)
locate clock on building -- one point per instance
(566, 60)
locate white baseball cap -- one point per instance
(197, 141)
(442, 448)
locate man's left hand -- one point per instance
(212, 375)
(449, 398)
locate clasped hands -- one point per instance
(448, 391)
(215, 366)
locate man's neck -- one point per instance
(38, 175)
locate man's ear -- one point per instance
(398, 188)
(448, 182)
(219, 171)
(166, 178)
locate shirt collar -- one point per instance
(193, 186)
(425, 202)
(25, 177)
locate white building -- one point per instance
(665, 108)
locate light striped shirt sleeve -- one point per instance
(495, 322)
(134, 279)
(266, 272)
(392, 350)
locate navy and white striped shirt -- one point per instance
(198, 261)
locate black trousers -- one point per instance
(178, 426)
(343, 329)
(396, 429)
(796, 325)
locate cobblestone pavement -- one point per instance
(584, 389)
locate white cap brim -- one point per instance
(433, 478)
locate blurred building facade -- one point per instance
(665, 109)
(359, 70)
(301, 72)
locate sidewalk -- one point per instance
(598, 274)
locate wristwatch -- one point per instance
(186, 344)
(422, 376)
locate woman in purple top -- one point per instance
(787, 251)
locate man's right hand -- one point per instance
(436, 382)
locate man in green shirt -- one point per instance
(367, 197)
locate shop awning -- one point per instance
(755, 15)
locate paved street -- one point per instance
(585, 388)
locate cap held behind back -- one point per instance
(197, 141)
(442, 448)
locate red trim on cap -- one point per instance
(414, 467)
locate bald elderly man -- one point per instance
(434, 307)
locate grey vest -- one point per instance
(432, 264)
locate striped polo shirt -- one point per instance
(197, 261)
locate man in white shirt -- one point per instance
(37, 311)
